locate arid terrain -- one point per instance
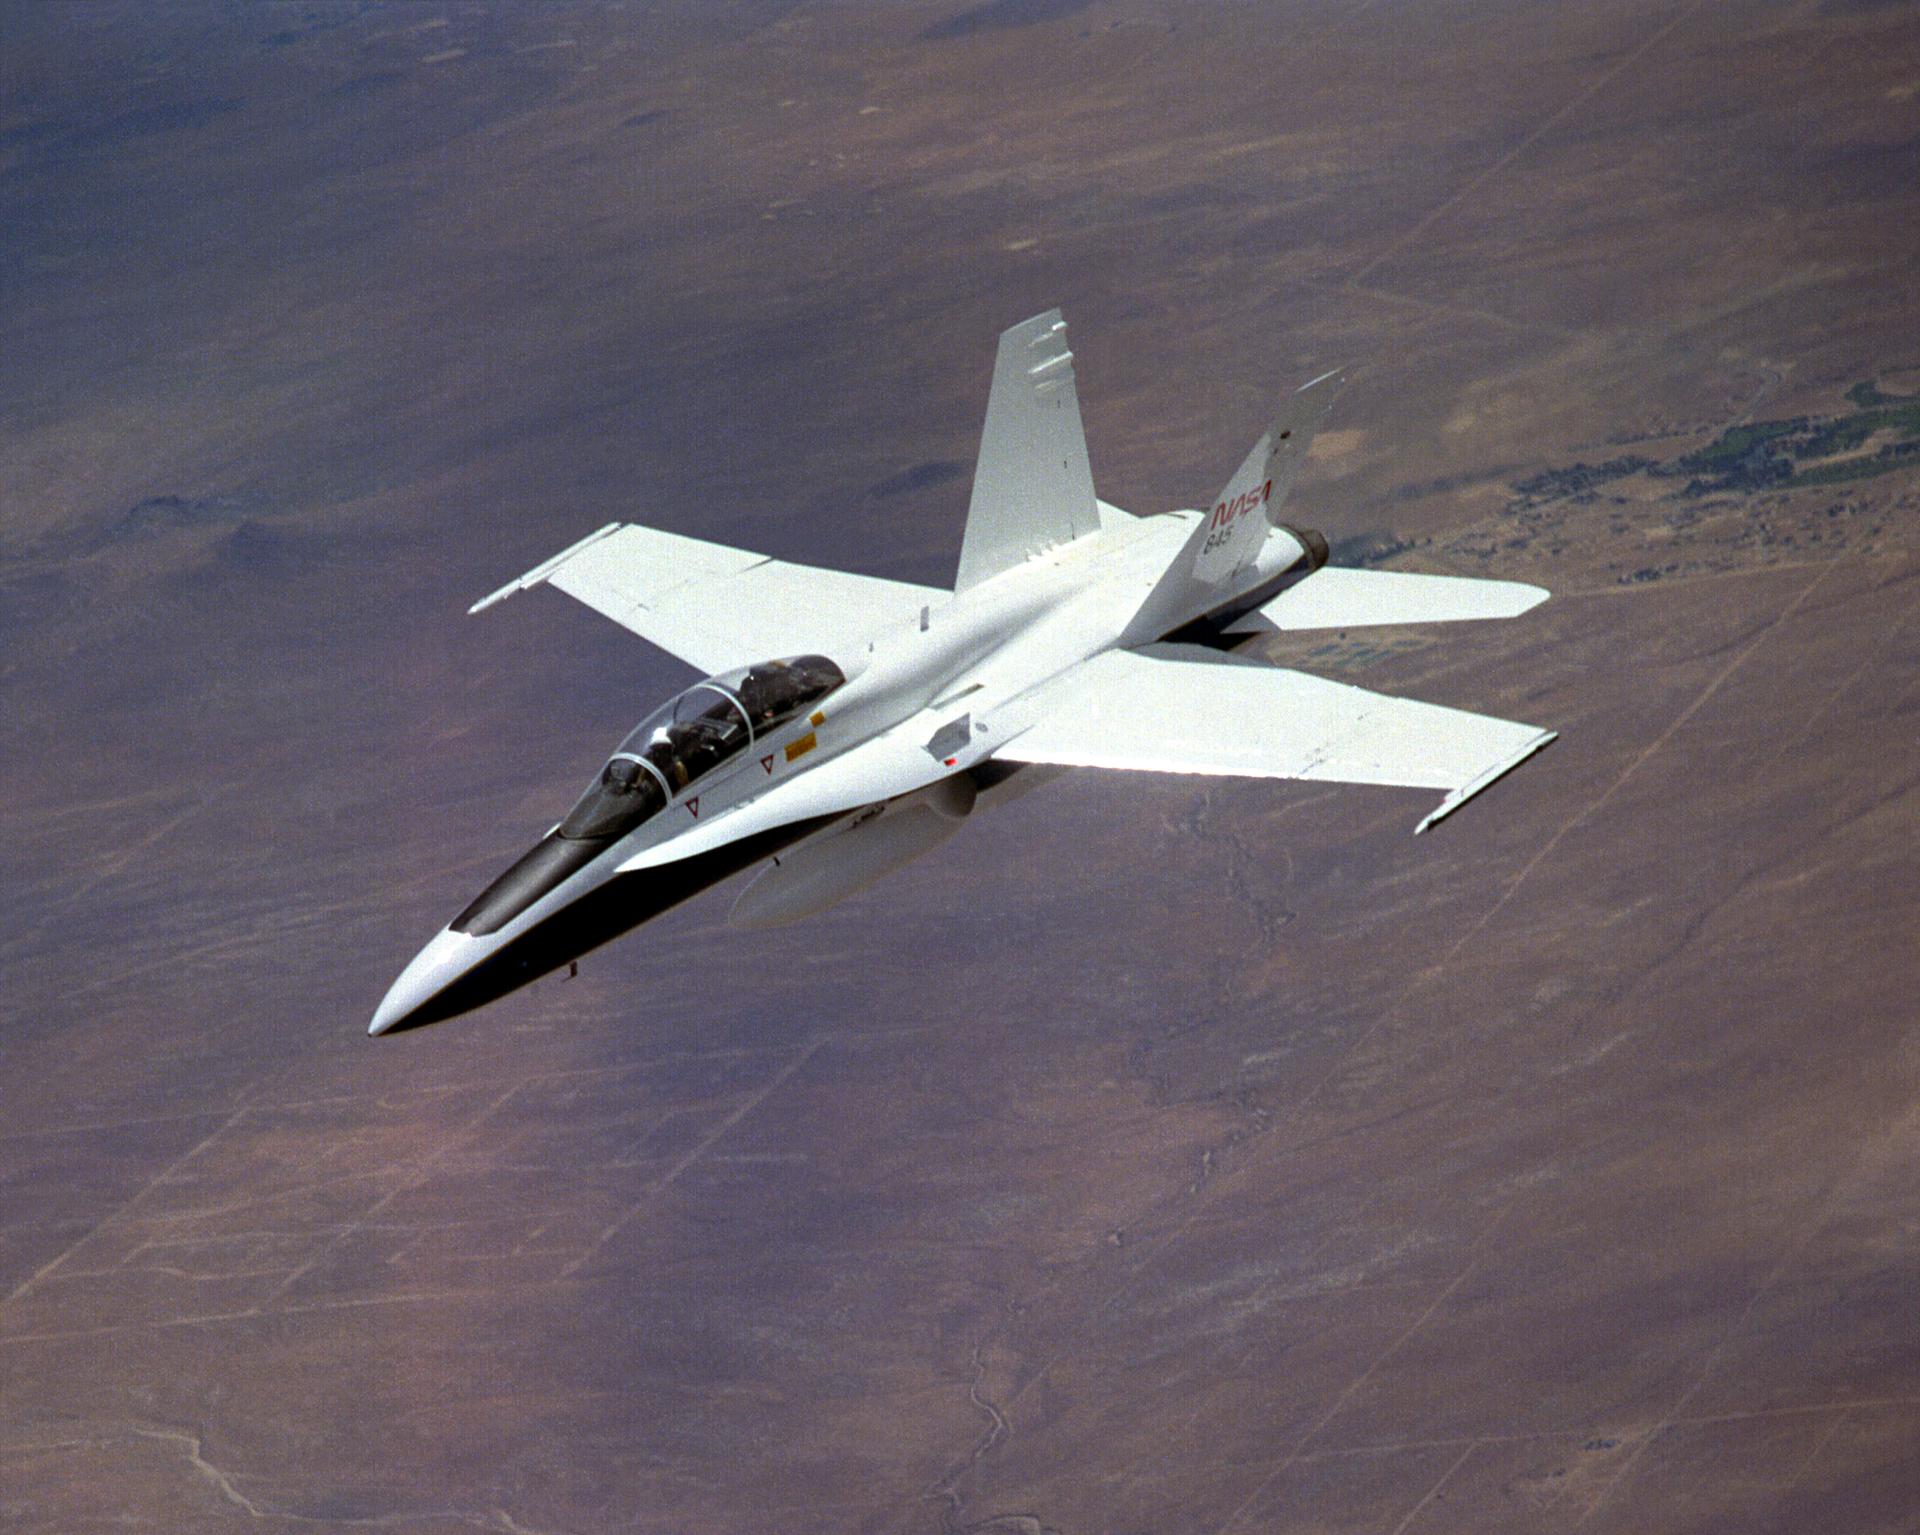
(1159, 1156)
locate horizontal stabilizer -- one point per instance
(1185, 709)
(1335, 598)
(717, 607)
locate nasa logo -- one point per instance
(1226, 516)
(1229, 512)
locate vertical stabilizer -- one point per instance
(1291, 434)
(1231, 533)
(1236, 526)
(1032, 486)
(1250, 503)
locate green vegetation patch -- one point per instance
(1580, 480)
(1736, 443)
(1896, 455)
(1756, 456)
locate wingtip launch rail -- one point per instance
(1458, 797)
(544, 569)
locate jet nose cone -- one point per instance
(436, 967)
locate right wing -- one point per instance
(1185, 709)
(718, 607)
(1335, 597)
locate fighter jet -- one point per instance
(848, 724)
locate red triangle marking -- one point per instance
(693, 806)
(767, 762)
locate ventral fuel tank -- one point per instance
(850, 857)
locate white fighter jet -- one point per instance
(1076, 635)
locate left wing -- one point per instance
(718, 607)
(1185, 709)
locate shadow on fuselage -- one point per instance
(601, 915)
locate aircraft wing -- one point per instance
(718, 607)
(1186, 709)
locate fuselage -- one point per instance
(929, 699)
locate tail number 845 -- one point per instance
(1226, 516)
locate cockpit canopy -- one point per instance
(681, 741)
